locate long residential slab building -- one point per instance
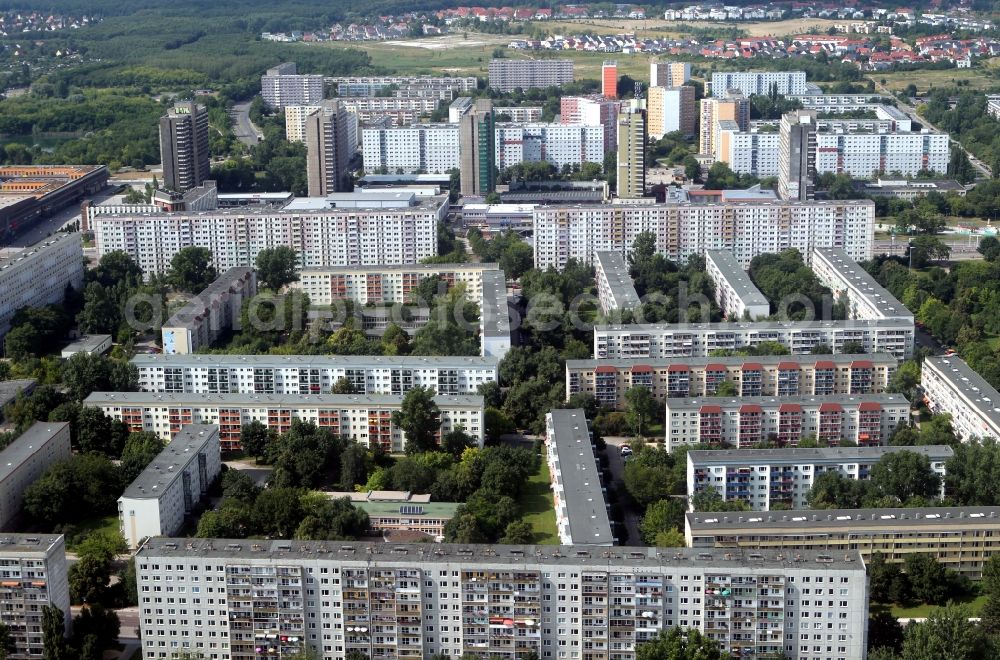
(25, 460)
(770, 375)
(744, 422)
(866, 298)
(577, 490)
(685, 228)
(210, 313)
(321, 237)
(961, 538)
(651, 340)
(171, 486)
(615, 289)
(951, 386)
(311, 374)
(365, 417)
(417, 601)
(766, 478)
(39, 275)
(34, 575)
(735, 293)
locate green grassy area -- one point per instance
(975, 603)
(977, 78)
(89, 526)
(538, 507)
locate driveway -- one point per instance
(617, 467)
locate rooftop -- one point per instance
(9, 389)
(494, 313)
(148, 361)
(430, 269)
(86, 343)
(809, 519)
(354, 200)
(818, 454)
(858, 280)
(170, 463)
(213, 293)
(21, 544)
(423, 203)
(736, 278)
(760, 326)
(616, 273)
(970, 384)
(38, 249)
(841, 359)
(511, 555)
(290, 400)
(586, 508)
(26, 444)
(694, 403)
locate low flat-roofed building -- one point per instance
(9, 389)
(206, 316)
(366, 418)
(615, 289)
(664, 340)
(764, 478)
(30, 192)
(961, 538)
(392, 512)
(171, 486)
(866, 298)
(581, 508)
(89, 344)
(25, 460)
(909, 189)
(498, 217)
(744, 422)
(951, 386)
(735, 293)
(35, 574)
(312, 374)
(238, 200)
(768, 375)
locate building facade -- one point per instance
(34, 574)
(669, 74)
(592, 111)
(370, 85)
(727, 105)
(506, 75)
(171, 487)
(430, 148)
(581, 507)
(631, 154)
(477, 149)
(373, 285)
(39, 275)
(558, 144)
(502, 601)
(759, 82)
(282, 86)
(735, 293)
(311, 374)
(328, 149)
(951, 386)
(866, 298)
(764, 478)
(184, 151)
(25, 460)
(894, 336)
(771, 375)
(213, 311)
(326, 237)
(614, 283)
(609, 79)
(746, 229)
(670, 109)
(366, 418)
(865, 420)
(797, 155)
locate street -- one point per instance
(48, 226)
(617, 467)
(245, 131)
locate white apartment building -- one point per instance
(838, 102)
(614, 283)
(765, 477)
(670, 109)
(171, 486)
(951, 386)
(506, 75)
(742, 422)
(754, 151)
(735, 293)
(311, 374)
(427, 148)
(577, 491)
(746, 229)
(759, 82)
(295, 124)
(25, 460)
(494, 316)
(866, 298)
(592, 111)
(666, 340)
(519, 114)
(766, 375)
(206, 316)
(369, 85)
(323, 237)
(372, 285)
(282, 86)
(416, 601)
(366, 418)
(38, 275)
(34, 574)
(559, 144)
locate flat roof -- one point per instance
(616, 274)
(913, 184)
(966, 380)
(148, 361)
(586, 508)
(423, 203)
(737, 279)
(760, 326)
(372, 179)
(22, 544)
(810, 455)
(694, 403)
(250, 400)
(9, 389)
(806, 519)
(858, 280)
(26, 444)
(522, 556)
(409, 509)
(38, 249)
(702, 205)
(376, 198)
(560, 196)
(199, 304)
(87, 343)
(495, 317)
(881, 359)
(430, 269)
(169, 464)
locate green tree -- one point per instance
(641, 409)
(457, 441)
(278, 511)
(946, 633)
(518, 532)
(277, 267)
(140, 450)
(327, 519)
(255, 438)
(84, 373)
(99, 622)
(419, 418)
(884, 631)
(927, 577)
(8, 644)
(925, 249)
(662, 516)
(710, 499)
(853, 348)
(355, 464)
(883, 579)
(678, 644)
(989, 246)
(54, 634)
(903, 475)
(191, 269)
(905, 379)
(726, 388)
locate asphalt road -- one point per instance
(617, 466)
(245, 131)
(53, 223)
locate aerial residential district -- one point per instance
(374, 331)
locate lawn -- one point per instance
(89, 526)
(538, 507)
(921, 611)
(977, 78)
